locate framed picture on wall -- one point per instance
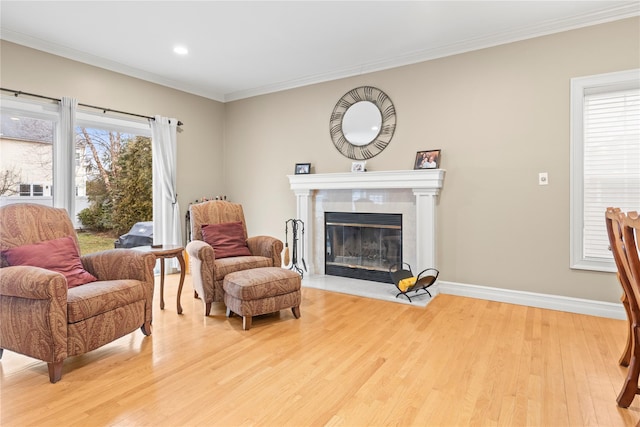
(427, 159)
(303, 168)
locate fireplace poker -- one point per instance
(304, 264)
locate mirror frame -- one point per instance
(387, 129)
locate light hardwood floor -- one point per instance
(348, 361)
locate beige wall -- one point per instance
(500, 116)
(199, 143)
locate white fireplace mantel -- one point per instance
(430, 179)
(425, 184)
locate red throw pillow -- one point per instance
(60, 255)
(227, 239)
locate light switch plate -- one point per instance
(543, 178)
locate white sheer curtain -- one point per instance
(166, 211)
(64, 185)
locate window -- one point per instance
(28, 190)
(37, 190)
(115, 177)
(25, 190)
(32, 152)
(605, 161)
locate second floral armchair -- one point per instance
(220, 246)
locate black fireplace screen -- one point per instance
(362, 245)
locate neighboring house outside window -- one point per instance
(26, 165)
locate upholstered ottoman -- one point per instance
(263, 290)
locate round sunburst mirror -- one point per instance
(362, 123)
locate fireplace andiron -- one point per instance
(296, 225)
(406, 282)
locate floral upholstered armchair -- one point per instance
(220, 246)
(55, 303)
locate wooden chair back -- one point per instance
(626, 231)
(614, 219)
(631, 240)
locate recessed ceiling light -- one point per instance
(181, 50)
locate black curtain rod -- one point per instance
(17, 93)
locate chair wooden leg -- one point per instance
(229, 312)
(625, 358)
(55, 371)
(207, 309)
(630, 387)
(296, 312)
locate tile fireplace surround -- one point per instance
(411, 193)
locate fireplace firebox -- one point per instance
(362, 245)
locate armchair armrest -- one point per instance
(117, 264)
(266, 246)
(32, 283)
(33, 312)
(202, 265)
(197, 249)
(114, 264)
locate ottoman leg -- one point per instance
(296, 312)
(246, 322)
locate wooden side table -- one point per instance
(162, 252)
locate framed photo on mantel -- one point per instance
(303, 168)
(358, 166)
(427, 159)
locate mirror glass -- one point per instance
(361, 123)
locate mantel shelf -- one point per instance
(430, 179)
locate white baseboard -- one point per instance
(532, 299)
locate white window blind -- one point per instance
(605, 161)
(611, 162)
